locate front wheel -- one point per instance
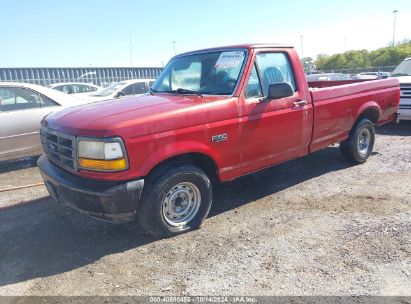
(176, 199)
(360, 142)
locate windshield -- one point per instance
(110, 89)
(404, 69)
(214, 73)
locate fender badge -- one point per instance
(219, 137)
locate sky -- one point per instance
(97, 33)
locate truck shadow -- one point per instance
(46, 238)
(401, 129)
(255, 186)
(13, 165)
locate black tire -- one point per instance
(352, 149)
(152, 213)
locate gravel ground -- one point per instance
(312, 226)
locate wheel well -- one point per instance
(372, 114)
(199, 160)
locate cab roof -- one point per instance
(247, 46)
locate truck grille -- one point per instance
(59, 147)
(405, 92)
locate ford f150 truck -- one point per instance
(211, 116)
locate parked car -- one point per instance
(77, 89)
(372, 75)
(327, 77)
(403, 74)
(22, 106)
(212, 115)
(122, 89)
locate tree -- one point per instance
(386, 56)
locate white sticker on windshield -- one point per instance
(230, 59)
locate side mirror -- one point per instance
(119, 94)
(279, 90)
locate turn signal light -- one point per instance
(103, 165)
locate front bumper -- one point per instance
(404, 113)
(114, 202)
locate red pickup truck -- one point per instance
(212, 115)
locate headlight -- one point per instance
(105, 155)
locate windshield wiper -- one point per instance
(400, 74)
(152, 91)
(185, 91)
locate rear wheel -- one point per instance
(360, 143)
(176, 199)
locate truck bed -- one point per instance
(333, 83)
(336, 107)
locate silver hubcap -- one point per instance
(364, 140)
(181, 204)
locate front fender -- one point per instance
(176, 149)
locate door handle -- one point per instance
(300, 103)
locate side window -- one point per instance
(13, 99)
(128, 90)
(82, 88)
(85, 89)
(59, 88)
(139, 88)
(66, 89)
(75, 89)
(47, 102)
(136, 88)
(273, 68)
(254, 86)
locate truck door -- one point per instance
(276, 130)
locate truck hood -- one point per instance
(403, 79)
(136, 116)
(92, 97)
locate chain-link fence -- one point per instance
(361, 70)
(98, 76)
(105, 76)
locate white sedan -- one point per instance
(77, 89)
(122, 88)
(22, 106)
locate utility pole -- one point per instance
(393, 35)
(174, 47)
(302, 49)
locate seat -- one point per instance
(220, 78)
(272, 75)
(220, 83)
